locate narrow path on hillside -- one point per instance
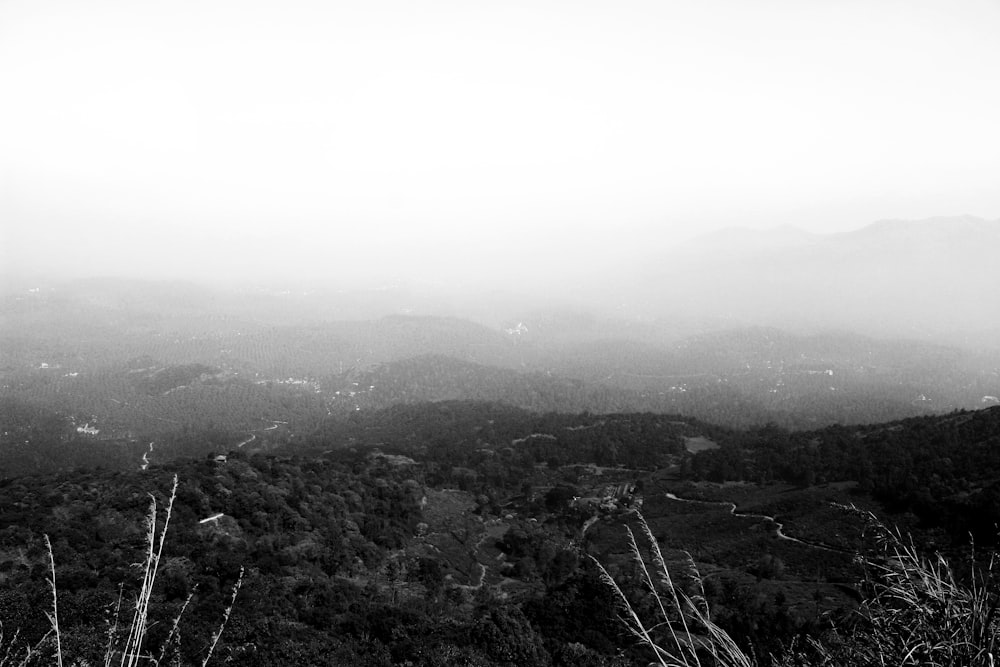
(487, 533)
(145, 457)
(253, 436)
(482, 566)
(779, 526)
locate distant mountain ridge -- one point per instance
(926, 279)
(220, 358)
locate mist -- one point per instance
(648, 162)
(405, 315)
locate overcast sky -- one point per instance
(436, 139)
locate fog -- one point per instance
(569, 151)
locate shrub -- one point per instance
(915, 612)
(125, 645)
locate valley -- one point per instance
(433, 490)
(499, 334)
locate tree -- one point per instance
(559, 497)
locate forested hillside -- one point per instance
(140, 362)
(945, 470)
(410, 550)
(460, 532)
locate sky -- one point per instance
(470, 140)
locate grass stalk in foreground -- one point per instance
(225, 619)
(133, 651)
(917, 612)
(690, 635)
(54, 616)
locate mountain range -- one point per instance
(930, 279)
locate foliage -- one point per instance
(919, 611)
(126, 645)
(683, 632)
(916, 612)
(943, 469)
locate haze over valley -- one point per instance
(742, 328)
(466, 334)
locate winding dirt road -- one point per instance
(779, 527)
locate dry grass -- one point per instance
(917, 612)
(225, 619)
(54, 616)
(9, 650)
(131, 652)
(125, 647)
(684, 633)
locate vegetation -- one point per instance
(917, 611)
(426, 491)
(683, 630)
(144, 361)
(337, 563)
(943, 470)
(125, 645)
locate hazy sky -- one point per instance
(439, 138)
